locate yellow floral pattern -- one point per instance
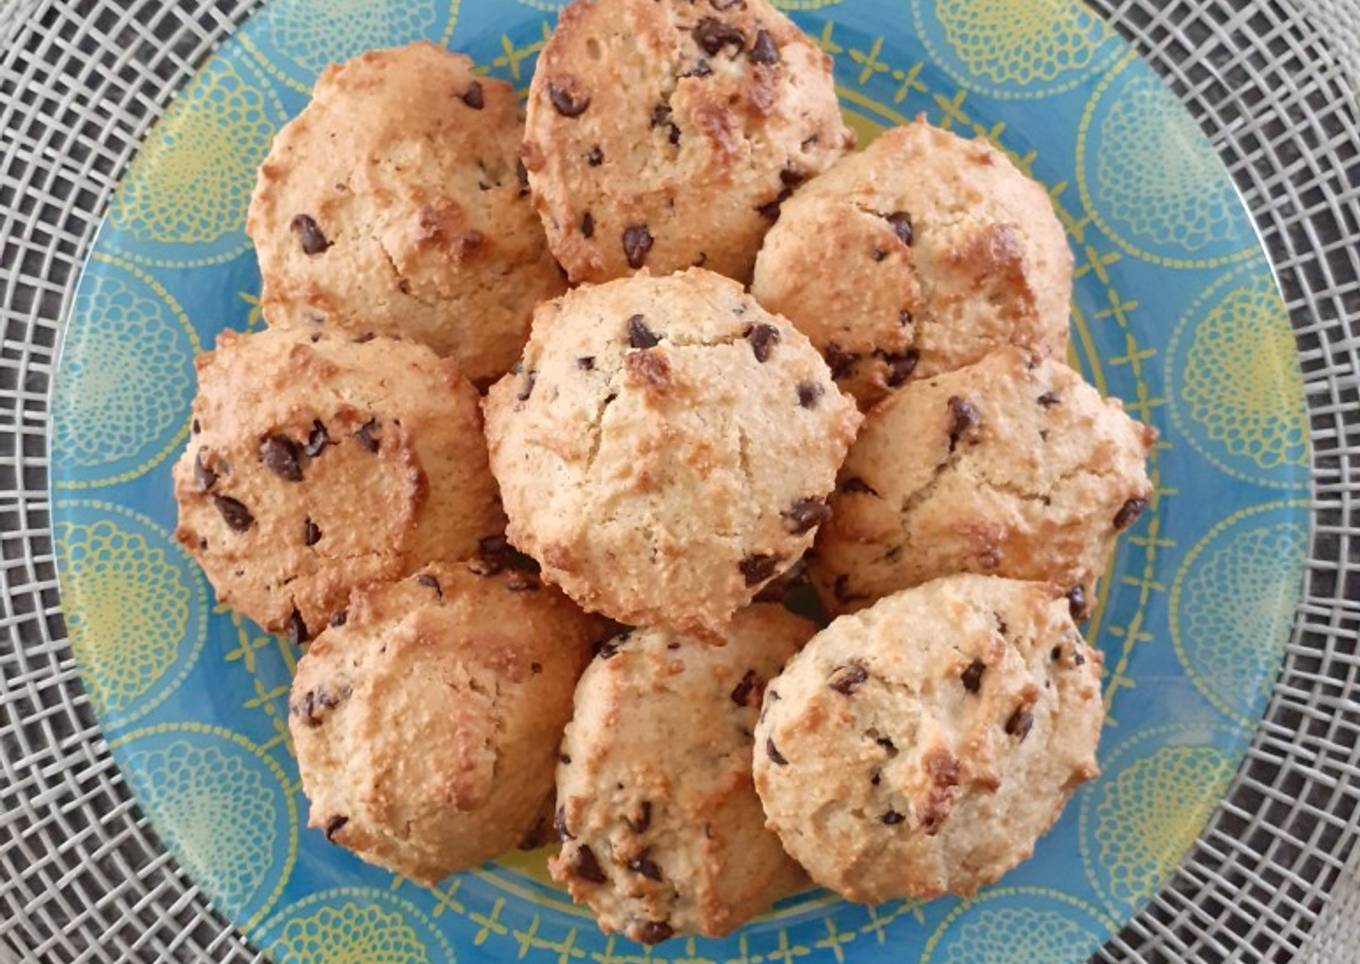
(351, 933)
(1013, 935)
(317, 33)
(1021, 42)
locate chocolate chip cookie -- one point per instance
(395, 204)
(426, 720)
(915, 257)
(668, 133)
(662, 833)
(922, 746)
(315, 466)
(665, 447)
(1013, 466)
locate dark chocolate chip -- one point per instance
(764, 51)
(886, 743)
(644, 865)
(368, 336)
(757, 568)
(234, 513)
(365, 435)
(339, 618)
(587, 225)
(1048, 399)
(309, 234)
(900, 367)
(840, 361)
(536, 667)
(971, 677)
(567, 105)
(587, 867)
(333, 826)
(875, 778)
(773, 753)
(792, 176)
(595, 157)
(805, 514)
(586, 363)
(1129, 512)
(425, 579)
(1020, 722)
(1078, 658)
(846, 679)
(901, 225)
(809, 393)
(763, 338)
(1076, 602)
(522, 175)
(904, 317)
(892, 817)
(473, 97)
(770, 210)
(527, 388)
(205, 477)
(712, 35)
(560, 825)
(963, 417)
(311, 532)
(1001, 626)
(655, 931)
(855, 484)
(279, 454)
(661, 114)
(565, 758)
(637, 242)
(1056, 653)
(643, 820)
(317, 440)
(878, 254)
(297, 629)
(701, 68)
(639, 335)
(608, 649)
(194, 427)
(741, 693)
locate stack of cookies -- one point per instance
(553, 407)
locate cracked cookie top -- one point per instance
(667, 133)
(922, 746)
(665, 447)
(426, 724)
(662, 833)
(1013, 466)
(394, 204)
(942, 251)
(315, 466)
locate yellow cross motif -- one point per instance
(835, 939)
(489, 924)
(869, 61)
(514, 56)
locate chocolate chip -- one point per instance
(317, 440)
(892, 817)
(608, 649)
(805, 514)
(425, 579)
(194, 427)
(1076, 602)
(846, 679)
(587, 225)
(887, 744)
(809, 393)
(773, 753)
(770, 210)
(1078, 658)
(1020, 722)
(565, 758)
(639, 335)
(234, 513)
(764, 51)
(536, 667)
(566, 104)
(205, 477)
(522, 175)
(763, 338)
(1001, 626)
(368, 336)
(878, 254)
(309, 234)
(644, 865)
(595, 157)
(655, 931)
(1056, 653)
(637, 242)
(904, 317)
(473, 96)
(644, 818)
(712, 35)
(971, 677)
(279, 454)
(661, 114)
(701, 68)
(741, 693)
(365, 435)
(901, 225)
(311, 532)
(1129, 512)
(587, 867)
(333, 826)
(855, 484)
(875, 778)
(527, 388)
(560, 825)
(1048, 399)
(840, 361)
(339, 618)
(963, 418)
(758, 567)
(900, 367)
(297, 629)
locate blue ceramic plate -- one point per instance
(1175, 311)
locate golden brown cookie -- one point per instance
(318, 466)
(662, 833)
(426, 724)
(666, 133)
(394, 204)
(922, 746)
(665, 448)
(1013, 466)
(918, 256)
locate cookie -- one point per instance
(317, 466)
(662, 833)
(665, 448)
(394, 204)
(915, 257)
(922, 746)
(667, 133)
(426, 723)
(1013, 466)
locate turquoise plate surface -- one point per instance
(1175, 311)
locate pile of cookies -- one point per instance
(553, 408)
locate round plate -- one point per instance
(1175, 311)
